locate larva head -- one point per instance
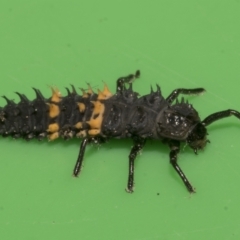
(197, 138)
(181, 122)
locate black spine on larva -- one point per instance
(8, 115)
(32, 119)
(121, 115)
(70, 114)
(39, 116)
(22, 121)
(127, 115)
(27, 119)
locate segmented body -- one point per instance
(95, 117)
(121, 115)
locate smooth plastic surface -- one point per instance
(175, 44)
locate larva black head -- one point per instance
(180, 122)
(197, 138)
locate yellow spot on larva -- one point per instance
(53, 136)
(56, 95)
(90, 91)
(105, 94)
(53, 110)
(101, 96)
(96, 119)
(95, 123)
(93, 132)
(78, 125)
(84, 94)
(106, 91)
(98, 108)
(54, 127)
(81, 107)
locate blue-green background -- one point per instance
(175, 44)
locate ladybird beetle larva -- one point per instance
(97, 117)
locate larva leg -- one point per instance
(175, 93)
(128, 79)
(174, 147)
(219, 115)
(79, 162)
(138, 146)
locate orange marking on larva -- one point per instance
(54, 110)
(56, 95)
(53, 136)
(105, 94)
(90, 91)
(101, 96)
(93, 132)
(54, 127)
(78, 125)
(84, 94)
(95, 123)
(81, 107)
(98, 108)
(106, 91)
